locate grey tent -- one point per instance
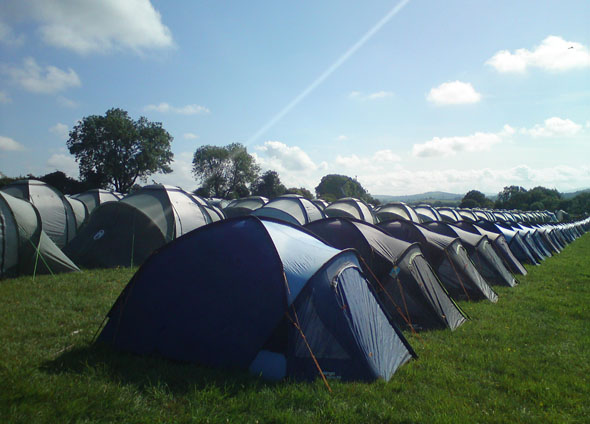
(126, 232)
(449, 214)
(481, 252)
(96, 197)
(291, 208)
(516, 243)
(408, 288)
(244, 205)
(349, 207)
(499, 244)
(80, 210)
(321, 203)
(427, 213)
(396, 210)
(448, 257)
(24, 246)
(57, 216)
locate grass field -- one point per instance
(524, 359)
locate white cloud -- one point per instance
(65, 102)
(35, 79)
(553, 54)
(290, 158)
(9, 145)
(4, 97)
(192, 109)
(379, 95)
(380, 159)
(370, 96)
(8, 37)
(190, 136)
(400, 180)
(554, 127)
(86, 26)
(61, 130)
(65, 163)
(342, 137)
(453, 93)
(449, 146)
(181, 175)
(295, 167)
(507, 131)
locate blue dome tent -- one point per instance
(261, 295)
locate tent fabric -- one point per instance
(96, 197)
(80, 211)
(244, 206)
(228, 295)
(349, 207)
(56, 213)
(514, 240)
(499, 244)
(448, 257)
(480, 251)
(427, 213)
(396, 210)
(406, 284)
(448, 215)
(293, 209)
(126, 232)
(24, 247)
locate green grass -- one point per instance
(524, 359)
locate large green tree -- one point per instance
(268, 185)
(116, 150)
(225, 172)
(475, 199)
(335, 186)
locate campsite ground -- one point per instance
(524, 359)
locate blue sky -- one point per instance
(407, 96)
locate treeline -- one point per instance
(538, 198)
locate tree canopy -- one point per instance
(225, 172)
(334, 186)
(268, 185)
(116, 150)
(475, 199)
(538, 198)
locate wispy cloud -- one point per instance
(342, 137)
(64, 162)
(554, 127)
(4, 97)
(36, 79)
(65, 102)
(60, 130)
(453, 93)
(8, 144)
(359, 95)
(98, 26)
(553, 54)
(191, 109)
(8, 37)
(190, 136)
(450, 146)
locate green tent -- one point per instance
(126, 232)
(24, 246)
(58, 218)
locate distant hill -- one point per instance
(573, 193)
(428, 197)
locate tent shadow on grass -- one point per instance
(146, 372)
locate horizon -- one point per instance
(404, 97)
